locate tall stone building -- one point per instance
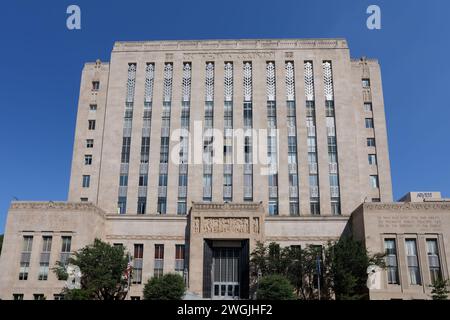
(190, 152)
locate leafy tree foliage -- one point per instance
(440, 289)
(167, 287)
(275, 287)
(102, 267)
(338, 269)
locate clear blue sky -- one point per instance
(41, 62)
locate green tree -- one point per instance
(1, 243)
(102, 267)
(274, 287)
(440, 289)
(346, 268)
(167, 287)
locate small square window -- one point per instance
(95, 85)
(89, 143)
(368, 106)
(84, 199)
(369, 123)
(86, 181)
(371, 142)
(87, 159)
(376, 200)
(372, 159)
(91, 124)
(93, 107)
(374, 181)
(366, 83)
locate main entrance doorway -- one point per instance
(226, 269)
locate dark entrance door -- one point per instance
(225, 269)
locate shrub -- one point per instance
(274, 287)
(167, 287)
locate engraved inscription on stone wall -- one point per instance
(422, 223)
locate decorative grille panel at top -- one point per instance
(131, 82)
(186, 90)
(309, 81)
(290, 81)
(327, 80)
(228, 81)
(209, 82)
(149, 80)
(247, 81)
(167, 86)
(270, 81)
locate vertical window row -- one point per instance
(292, 138)
(314, 195)
(44, 259)
(208, 138)
(158, 269)
(137, 263)
(369, 124)
(412, 260)
(145, 140)
(272, 137)
(179, 258)
(25, 257)
(65, 249)
(248, 125)
(228, 136)
(184, 138)
(165, 130)
(331, 137)
(126, 140)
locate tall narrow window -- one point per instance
(179, 257)
(91, 124)
(165, 131)
(372, 159)
(25, 257)
(95, 85)
(248, 125)
(374, 181)
(159, 260)
(314, 194)
(184, 139)
(126, 136)
(208, 139)
(137, 263)
(45, 257)
(86, 181)
(331, 137)
(292, 139)
(228, 134)
(88, 159)
(145, 140)
(391, 261)
(433, 260)
(272, 154)
(66, 243)
(413, 262)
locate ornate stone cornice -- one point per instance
(59, 206)
(300, 238)
(143, 237)
(408, 206)
(252, 44)
(206, 206)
